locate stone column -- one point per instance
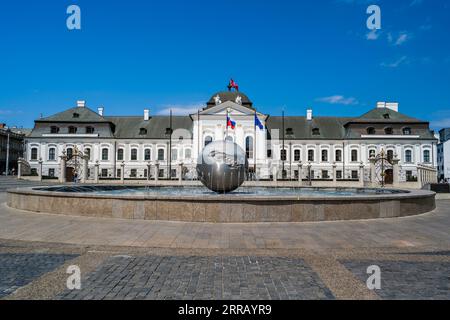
(361, 174)
(395, 172)
(85, 169)
(373, 173)
(19, 168)
(275, 173)
(96, 171)
(300, 173)
(40, 169)
(62, 175)
(156, 171)
(334, 174)
(122, 172)
(180, 173)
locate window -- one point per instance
(316, 132)
(104, 173)
(87, 152)
(408, 156)
(339, 174)
(283, 155)
(187, 153)
(161, 173)
(311, 155)
(173, 173)
(133, 173)
(174, 155)
(119, 173)
(208, 140)
(372, 153)
(145, 173)
(296, 155)
(386, 116)
(389, 130)
(354, 155)
(390, 155)
(51, 173)
(90, 130)
(147, 154)
(269, 153)
(325, 174)
(409, 176)
(54, 129)
(407, 131)
(69, 152)
(289, 132)
(76, 115)
(426, 156)
(338, 156)
(371, 130)
(120, 155)
(142, 131)
(249, 147)
(133, 156)
(33, 153)
(105, 154)
(72, 130)
(161, 154)
(51, 154)
(324, 155)
(354, 174)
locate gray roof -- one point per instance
(378, 115)
(129, 127)
(229, 96)
(329, 127)
(84, 115)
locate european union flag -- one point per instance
(258, 123)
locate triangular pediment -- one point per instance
(234, 109)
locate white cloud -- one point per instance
(399, 39)
(180, 110)
(441, 123)
(7, 112)
(338, 99)
(373, 35)
(395, 64)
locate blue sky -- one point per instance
(288, 55)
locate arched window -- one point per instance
(54, 129)
(249, 147)
(407, 131)
(187, 153)
(34, 154)
(426, 156)
(142, 131)
(105, 154)
(52, 154)
(371, 130)
(311, 155)
(69, 152)
(133, 155)
(372, 153)
(338, 156)
(389, 130)
(283, 154)
(174, 155)
(208, 140)
(354, 155)
(324, 155)
(87, 152)
(90, 130)
(408, 156)
(316, 132)
(147, 154)
(390, 154)
(120, 154)
(297, 155)
(161, 154)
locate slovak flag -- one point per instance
(230, 122)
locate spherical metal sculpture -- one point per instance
(222, 166)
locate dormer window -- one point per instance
(316, 132)
(389, 130)
(289, 132)
(76, 115)
(386, 116)
(72, 130)
(54, 129)
(89, 130)
(142, 131)
(407, 131)
(371, 130)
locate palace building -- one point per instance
(145, 146)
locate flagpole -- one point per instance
(254, 149)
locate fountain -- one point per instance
(222, 168)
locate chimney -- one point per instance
(146, 114)
(381, 105)
(392, 105)
(81, 103)
(309, 114)
(100, 111)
